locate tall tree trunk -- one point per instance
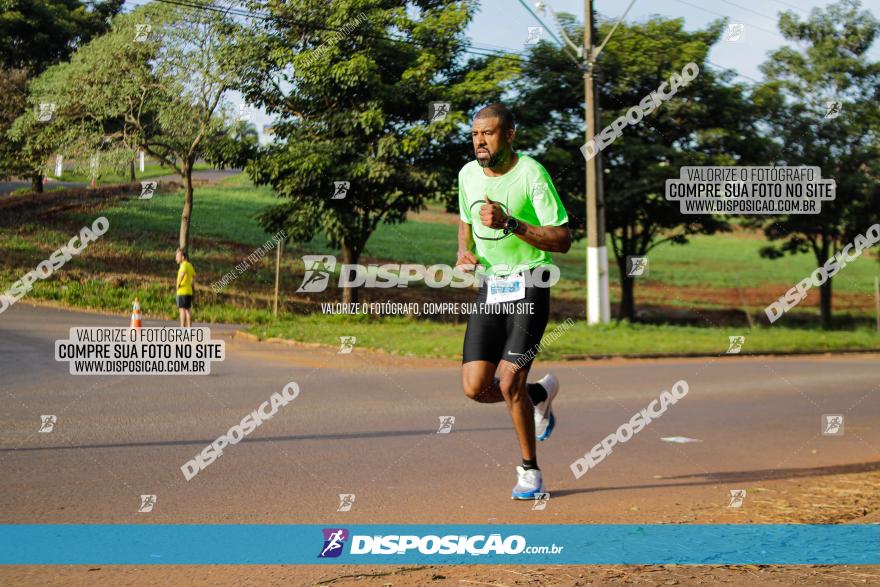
(627, 295)
(825, 304)
(350, 256)
(131, 176)
(627, 284)
(187, 205)
(37, 184)
(825, 289)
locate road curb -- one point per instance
(240, 334)
(721, 355)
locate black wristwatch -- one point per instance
(511, 225)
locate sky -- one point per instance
(504, 25)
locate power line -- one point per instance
(747, 9)
(544, 26)
(614, 28)
(470, 49)
(742, 75)
(791, 6)
(754, 26)
(526, 6)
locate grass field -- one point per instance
(135, 259)
(711, 272)
(726, 260)
(413, 337)
(136, 256)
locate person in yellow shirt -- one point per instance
(185, 278)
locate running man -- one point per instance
(185, 278)
(511, 220)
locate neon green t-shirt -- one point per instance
(526, 192)
(185, 276)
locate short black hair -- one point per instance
(500, 111)
(182, 252)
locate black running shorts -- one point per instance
(184, 302)
(509, 336)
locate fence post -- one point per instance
(277, 276)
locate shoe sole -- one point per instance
(552, 422)
(549, 429)
(526, 496)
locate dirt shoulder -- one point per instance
(841, 495)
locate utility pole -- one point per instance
(598, 302)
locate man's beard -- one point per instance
(494, 159)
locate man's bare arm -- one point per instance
(465, 238)
(465, 256)
(553, 239)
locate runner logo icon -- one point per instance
(638, 266)
(735, 32)
(317, 275)
(340, 189)
(47, 423)
(142, 32)
(832, 109)
(346, 500)
(737, 497)
(446, 424)
(147, 503)
(334, 540)
(46, 111)
(536, 33)
(736, 344)
(833, 424)
(541, 501)
(346, 344)
(438, 111)
(148, 188)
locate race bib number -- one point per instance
(506, 289)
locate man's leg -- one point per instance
(189, 318)
(182, 317)
(515, 392)
(482, 349)
(479, 382)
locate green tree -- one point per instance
(831, 64)
(236, 148)
(35, 34)
(708, 122)
(13, 102)
(350, 83)
(168, 101)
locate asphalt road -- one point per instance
(366, 424)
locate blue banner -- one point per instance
(268, 544)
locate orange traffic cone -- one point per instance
(136, 314)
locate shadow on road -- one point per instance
(730, 477)
(347, 436)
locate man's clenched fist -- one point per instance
(492, 215)
(467, 261)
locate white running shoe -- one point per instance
(545, 421)
(528, 484)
